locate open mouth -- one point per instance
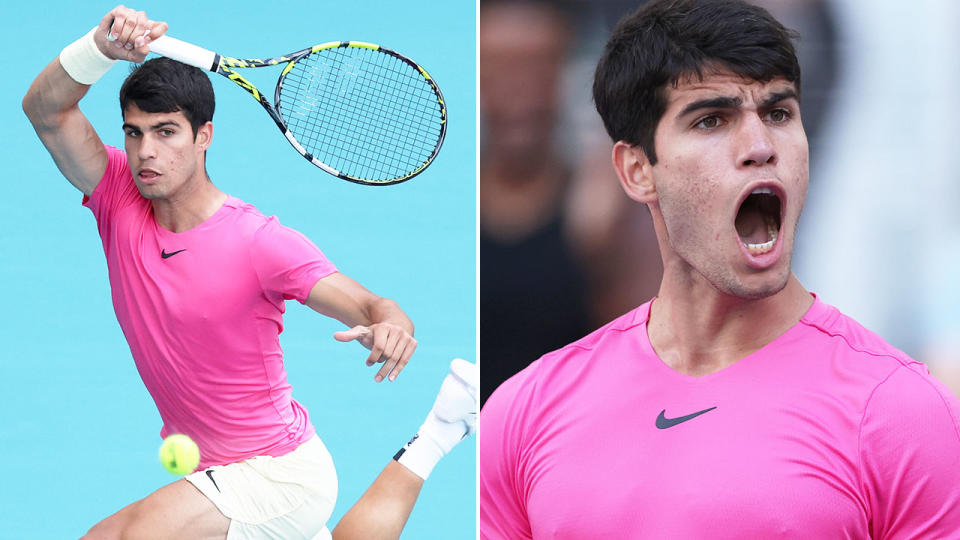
(147, 174)
(758, 221)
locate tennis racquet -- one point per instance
(358, 111)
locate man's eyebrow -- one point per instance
(723, 102)
(154, 127)
(727, 102)
(777, 97)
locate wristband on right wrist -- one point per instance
(83, 61)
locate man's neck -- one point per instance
(697, 330)
(189, 207)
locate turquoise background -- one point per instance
(79, 433)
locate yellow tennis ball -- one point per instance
(179, 454)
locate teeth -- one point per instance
(762, 191)
(760, 249)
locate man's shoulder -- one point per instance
(885, 375)
(600, 343)
(852, 339)
(560, 371)
(245, 211)
(260, 223)
(247, 221)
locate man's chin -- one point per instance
(149, 192)
(758, 286)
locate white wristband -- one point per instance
(83, 61)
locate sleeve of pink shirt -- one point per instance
(115, 190)
(910, 457)
(502, 502)
(287, 262)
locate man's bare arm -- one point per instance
(52, 106)
(52, 103)
(377, 323)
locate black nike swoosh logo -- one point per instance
(166, 255)
(210, 476)
(663, 422)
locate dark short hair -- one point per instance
(667, 40)
(164, 85)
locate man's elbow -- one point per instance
(33, 107)
(29, 105)
(43, 112)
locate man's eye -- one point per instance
(779, 116)
(708, 122)
(166, 132)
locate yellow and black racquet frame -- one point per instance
(359, 111)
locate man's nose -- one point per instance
(148, 147)
(754, 143)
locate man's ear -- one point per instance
(635, 172)
(205, 135)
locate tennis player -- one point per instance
(735, 404)
(199, 280)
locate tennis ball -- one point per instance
(179, 454)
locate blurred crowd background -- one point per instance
(563, 250)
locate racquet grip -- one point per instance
(182, 51)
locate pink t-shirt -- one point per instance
(202, 312)
(827, 432)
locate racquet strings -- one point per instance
(366, 113)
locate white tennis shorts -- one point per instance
(283, 498)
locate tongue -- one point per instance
(751, 225)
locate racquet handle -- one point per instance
(182, 51)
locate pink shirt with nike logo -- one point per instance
(827, 432)
(202, 312)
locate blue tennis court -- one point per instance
(80, 433)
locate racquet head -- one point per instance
(362, 112)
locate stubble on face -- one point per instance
(161, 152)
(705, 166)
